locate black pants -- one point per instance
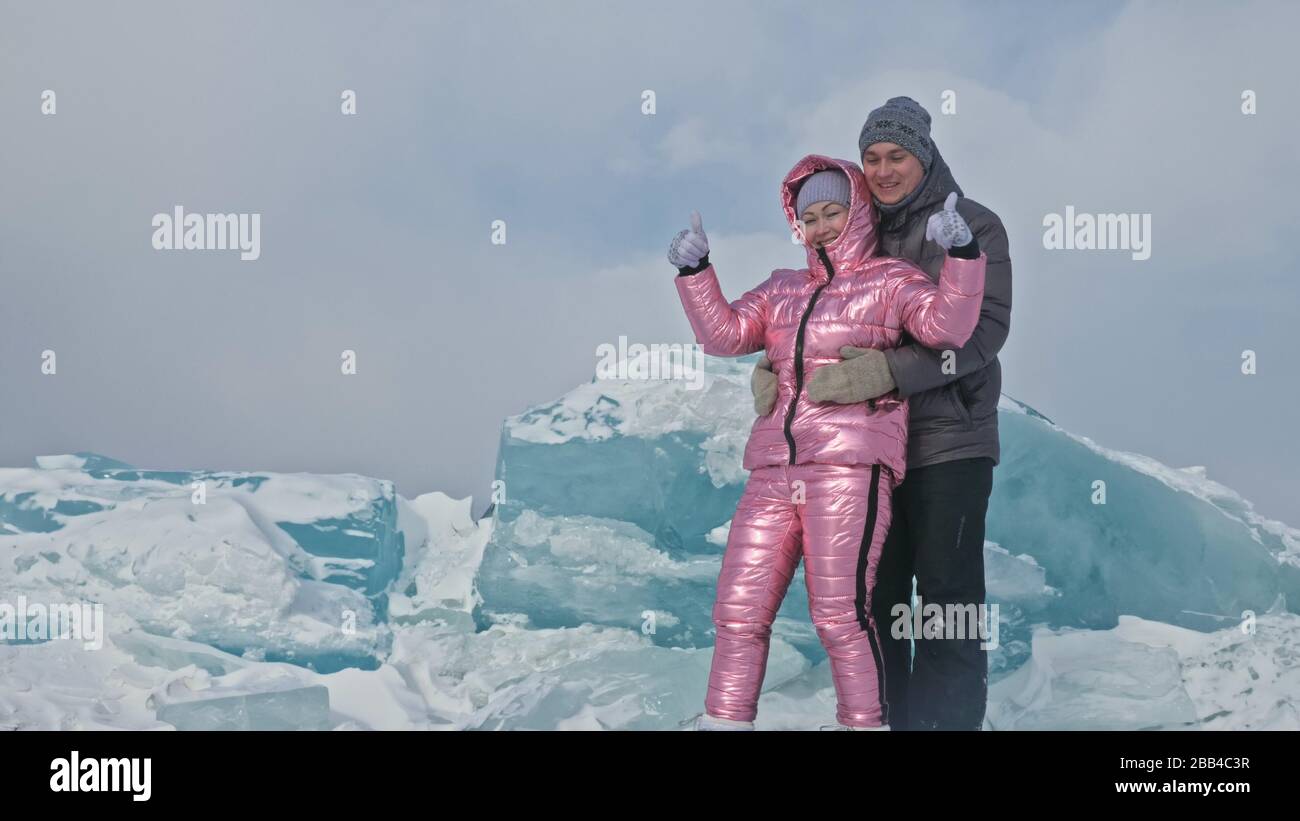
(937, 535)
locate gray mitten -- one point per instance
(690, 245)
(947, 227)
(763, 385)
(863, 375)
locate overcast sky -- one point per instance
(376, 228)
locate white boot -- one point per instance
(882, 727)
(704, 721)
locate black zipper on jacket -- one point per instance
(965, 400)
(798, 349)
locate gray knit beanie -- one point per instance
(831, 185)
(902, 121)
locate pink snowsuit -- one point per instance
(821, 474)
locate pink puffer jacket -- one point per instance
(801, 317)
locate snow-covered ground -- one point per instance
(265, 600)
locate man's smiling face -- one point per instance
(892, 171)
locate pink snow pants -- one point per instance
(835, 517)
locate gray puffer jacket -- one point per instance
(953, 416)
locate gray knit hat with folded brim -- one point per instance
(902, 121)
(831, 185)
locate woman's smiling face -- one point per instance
(823, 222)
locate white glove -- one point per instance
(947, 227)
(690, 245)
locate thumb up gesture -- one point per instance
(946, 227)
(690, 245)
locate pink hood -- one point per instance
(857, 242)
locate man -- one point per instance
(938, 528)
